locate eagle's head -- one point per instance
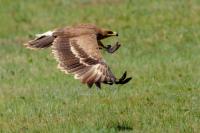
(104, 33)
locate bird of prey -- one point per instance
(77, 50)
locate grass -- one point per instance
(160, 50)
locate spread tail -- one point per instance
(41, 41)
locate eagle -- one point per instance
(77, 51)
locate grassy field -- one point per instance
(160, 50)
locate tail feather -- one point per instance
(41, 41)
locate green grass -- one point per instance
(160, 50)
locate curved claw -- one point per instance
(126, 80)
(123, 79)
(123, 76)
(98, 84)
(89, 85)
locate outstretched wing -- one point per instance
(81, 56)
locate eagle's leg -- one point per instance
(109, 48)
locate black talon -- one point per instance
(98, 84)
(123, 79)
(89, 85)
(123, 76)
(126, 80)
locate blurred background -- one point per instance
(160, 50)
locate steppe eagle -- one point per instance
(77, 50)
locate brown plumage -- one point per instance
(76, 49)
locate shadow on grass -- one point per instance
(123, 128)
